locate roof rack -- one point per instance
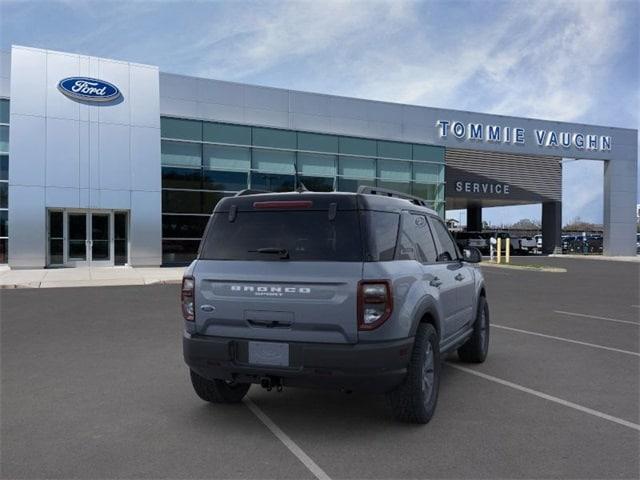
(249, 191)
(391, 193)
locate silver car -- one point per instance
(358, 291)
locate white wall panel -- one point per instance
(115, 156)
(118, 74)
(62, 197)
(271, 118)
(29, 81)
(115, 199)
(28, 227)
(214, 91)
(266, 98)
(59, 66)
(63, 153)
(145, 155)
(223, 113)
(144, 97)
(146, 228)
(27, 140)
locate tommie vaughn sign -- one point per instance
(88, 89)
(478, 132)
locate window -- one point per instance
(272, 182)
(357, 167)
(182, 129)
(394, 171)
(120, 243)
(4, 195)
(350, 185)
(427, 153)
(274, 161)
(4, 167)
(224, 133)
(180, 153)
(4, 111)
(426, 191)
(184, 226)
(4, 223)
(416, 242)
(317, 184)
(190, 178)
(447, 250)
(394, 150)
(227, 158)
(271, 137)
(317, 143)
(305, 235)
(382, 233)
(176, 201)
(316, 165)
(358, 146)
(179, 252)
(228, 181)
(4, 139)
(428, 172)
(211, 199)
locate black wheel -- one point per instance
(218, 391)
(476, 348)
(415, 399)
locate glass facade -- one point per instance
(4, 180)
(203, 162)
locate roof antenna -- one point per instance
(301, 186)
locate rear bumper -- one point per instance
(369, 367)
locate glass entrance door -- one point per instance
(100, 241)
(87, 238)
(77, 239)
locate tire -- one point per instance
(476, 348)
(415, 399)
(218, 391)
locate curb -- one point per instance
(524, 267)
(90, 283)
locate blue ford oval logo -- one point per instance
(90, 89)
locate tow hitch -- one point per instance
(268, 383)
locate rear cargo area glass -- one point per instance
(303, 235)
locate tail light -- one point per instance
(375, 303)
(186, 298)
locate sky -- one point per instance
(558, 60)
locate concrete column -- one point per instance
(474, 218)
(620, 198)
(552, 227)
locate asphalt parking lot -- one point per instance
(93, 386)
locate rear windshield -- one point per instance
(284, 235)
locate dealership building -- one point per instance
(107, 162)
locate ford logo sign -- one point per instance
(89, 89)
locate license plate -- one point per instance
(269, 353)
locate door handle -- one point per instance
(459, 277)
(435, 282)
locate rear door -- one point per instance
(280, 274)
(461, 277)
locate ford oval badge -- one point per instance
(89, 89)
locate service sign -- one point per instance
(88, 89)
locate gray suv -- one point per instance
(358, 291)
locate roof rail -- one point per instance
(249, 191)
(392, 193)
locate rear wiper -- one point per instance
(283, 252)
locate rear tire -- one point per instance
(476, 348)
(218, 391)
(415, 399)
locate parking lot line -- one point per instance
(287, 441)
(563, 339)
(545, 396)
(574, 314)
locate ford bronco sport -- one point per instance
(356, 291)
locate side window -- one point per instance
(416, 242)
(448, 251)
(382, 228)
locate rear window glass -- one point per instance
(382, 233)
(284, 235)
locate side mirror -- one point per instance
(471, 255)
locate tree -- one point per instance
(525, 224)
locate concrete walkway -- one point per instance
(88, 277)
